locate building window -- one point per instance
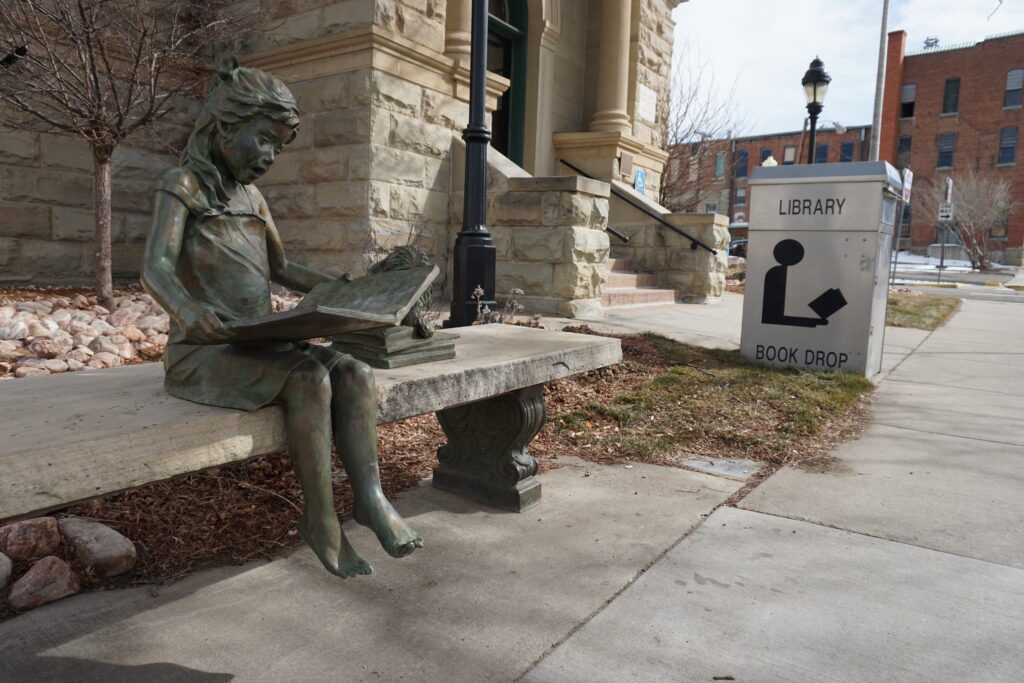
(506, 56)
(741, 196)
(951, 96)
(741, 163)
(719, 165)
(947, 141)
(789, 155)
(765, 153)
(846, 151)
(821, 154)
(710, 208)
(908, 218)
(903, 151)
(1014, 84)
(1007, 145)
(908, 95)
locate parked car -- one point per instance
(738, 248)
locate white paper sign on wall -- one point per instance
(647, 103)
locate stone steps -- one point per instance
(629, 289)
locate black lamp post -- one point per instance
(474, 258)
(815, 84)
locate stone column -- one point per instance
(458, 34)
(612, 113)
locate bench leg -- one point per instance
(485, 458)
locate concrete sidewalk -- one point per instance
(908, 564)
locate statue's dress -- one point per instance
(224, 264)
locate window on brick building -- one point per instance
(846, 151)
(821, 154)
(789, 155)
(719, 165)
(947, 142)
(1007, 145)
(710, 208)
(741, 163)
(765, 153)
(1014, 84)
(951, 96)
(908, 218)
(908, 95)
(903, 151)
(741, 196)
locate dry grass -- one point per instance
(921, 311)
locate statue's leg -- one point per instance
(306, 396)
(355, 436)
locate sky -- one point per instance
(760, 49)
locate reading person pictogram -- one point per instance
(788, 253)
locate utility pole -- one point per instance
(876, 121)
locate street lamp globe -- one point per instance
(815, 83)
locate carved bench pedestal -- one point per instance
(485, 458)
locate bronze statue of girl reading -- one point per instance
(210, 259)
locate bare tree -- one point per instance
(982, 202)
(100, 70)
(698, 121)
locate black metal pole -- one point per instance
(813, 109)
(474, 258)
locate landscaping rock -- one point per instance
(38, 330)
(29, 371)
(55, 365)
(49, 579)
(102, 344)
(160, 323)
(82, 339)
(30, 538)
(80, 354)
(14, 330)
(122, 317)
(104, 359)
(133, 334)
(74, 365)
(105, 551)
(49, 348)
(5, 570)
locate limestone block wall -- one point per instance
(655, 248)
(550, 241)
(651, 59)
(46, 207)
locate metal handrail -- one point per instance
(694, 242)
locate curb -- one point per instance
(944, 285)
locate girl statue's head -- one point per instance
(246, 119)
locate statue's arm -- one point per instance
(282, 271)
(160, 277)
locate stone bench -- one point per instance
(76, 436)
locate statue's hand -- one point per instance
(201, 325)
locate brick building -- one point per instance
(947, 109)
(714, 176)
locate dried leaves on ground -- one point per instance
(665, 402)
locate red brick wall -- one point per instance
(982, 70)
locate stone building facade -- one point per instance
(383, 89)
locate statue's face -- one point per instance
(247, 149)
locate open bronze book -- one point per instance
(330, 308)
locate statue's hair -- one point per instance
(238, 94)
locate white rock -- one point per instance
(100, 310)
(103, 359)
(160, 323)
(122, 317)
(134, 334)
(76, 326)
(103, 327)
(74, 365)
(55, 365)
(159, 339)
(7, 311)
(9, 351)
(126, 350)
(102, 343)
(34, 306)
(29, 371)
(60, 315)
(82, 339)
(49, 348)
(80, 354)
(103, 550)
(14, 330)
(80, 302)
(38, 330)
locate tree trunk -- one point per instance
(104, 280)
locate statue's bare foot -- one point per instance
(330, 545)
(393, 533)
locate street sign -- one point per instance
(945, 211)
(640, 183)
(908, 180)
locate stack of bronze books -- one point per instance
(396, 347)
